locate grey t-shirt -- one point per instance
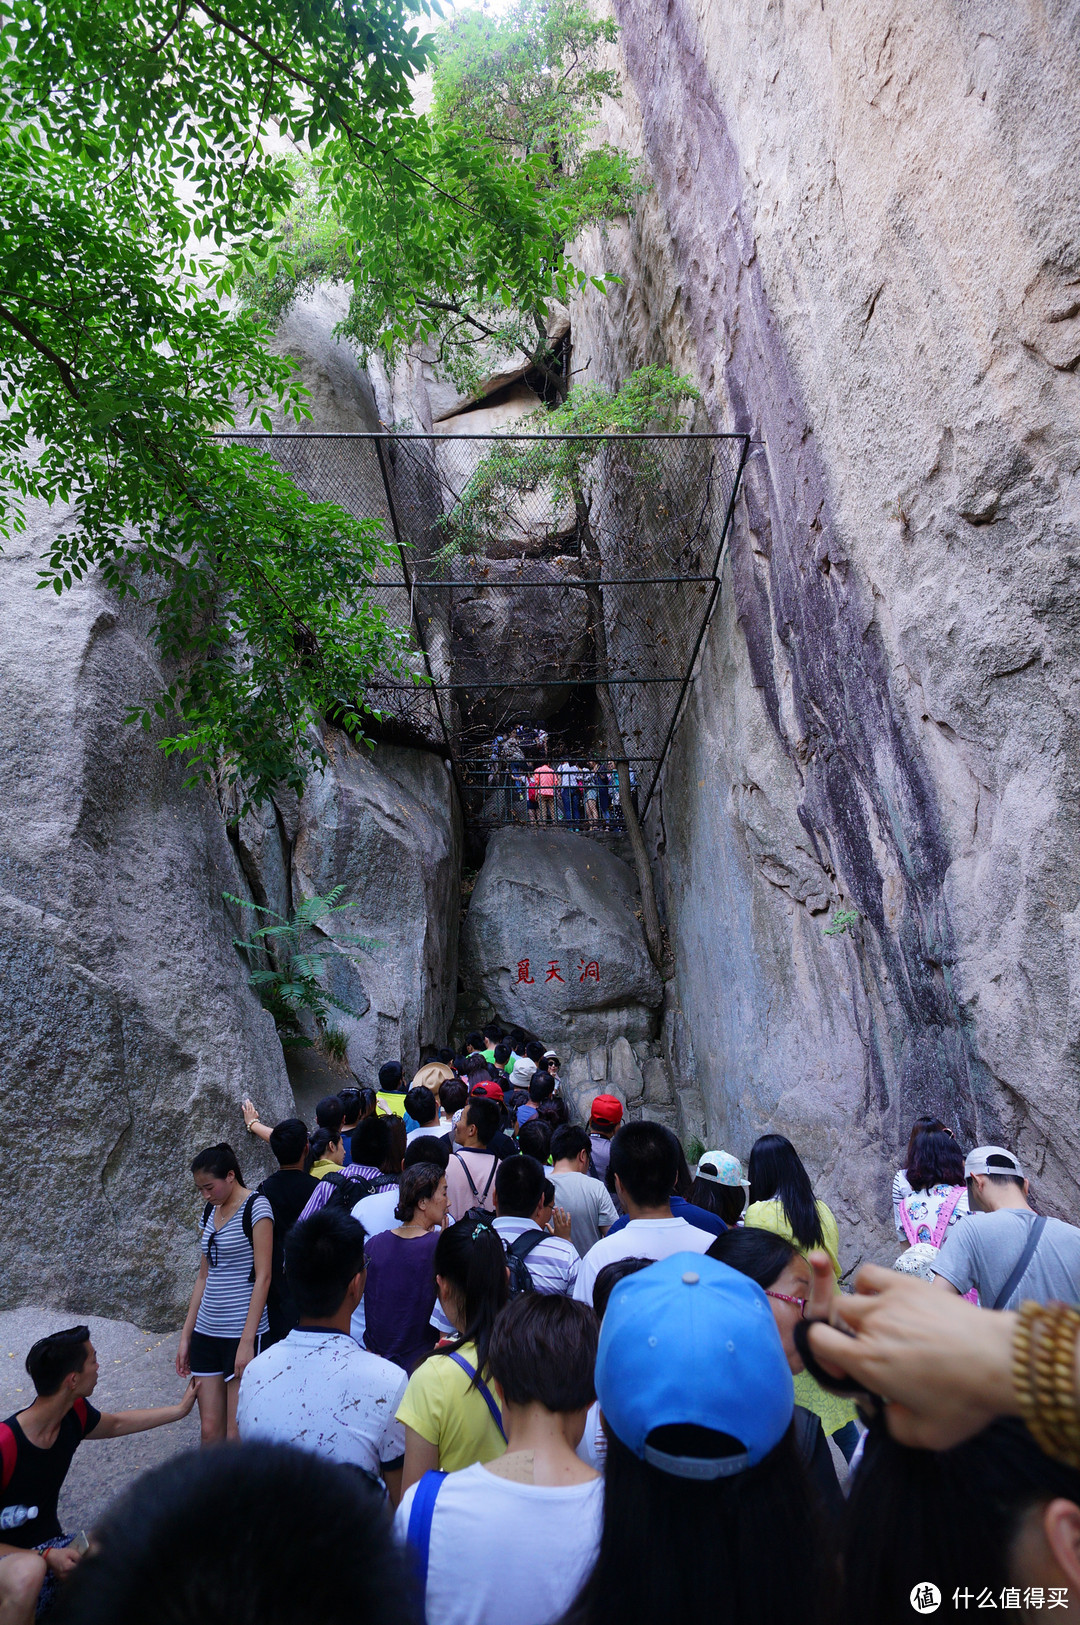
(983, 1249)
(589, 1205)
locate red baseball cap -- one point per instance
(606, 1109)
(491, 1089)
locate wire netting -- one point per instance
(509, 552)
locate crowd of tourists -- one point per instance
(466, 1361)
(535, 787)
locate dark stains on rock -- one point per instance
(868, 807)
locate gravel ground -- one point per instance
(137, 1371)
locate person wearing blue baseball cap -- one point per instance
(697, 1404)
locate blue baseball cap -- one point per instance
(690, 1341)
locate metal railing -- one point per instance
(499, 587)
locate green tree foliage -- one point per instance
(292, 986)
(135, 164)
(651, 398)
(514, 100)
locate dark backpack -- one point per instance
(345, 1192)
(478, 1214)
(516, 1253)
(245, 1224)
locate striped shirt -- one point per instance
(226, 1296)
(323, 1192)
(553, 1263)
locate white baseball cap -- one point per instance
(991, 1159)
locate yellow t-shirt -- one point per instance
(440, 1405)
(324, 1166)
(771, 1216)
(391, 1104)
(833, 1409)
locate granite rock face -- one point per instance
(129, 1033)
(559, 900)
(385, 825)
(862, 242)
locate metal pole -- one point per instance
(718, 574)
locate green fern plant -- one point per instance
(291, 985)
(845, 919)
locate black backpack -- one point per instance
(347, 1192)
(478, 1214)
(245, 1224)
(516, 1254)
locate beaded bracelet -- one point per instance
(1044, 1377)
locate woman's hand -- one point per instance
(187, 1403)
(249, 1111)
(244, 1355)
(183, 1357)
(942, 1366)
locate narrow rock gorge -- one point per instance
(858, 236)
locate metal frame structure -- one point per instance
(661, 509)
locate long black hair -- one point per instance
(471, 1257)
(657, 1528)
(950, 1517)
(728, 1202)
(776, 1170)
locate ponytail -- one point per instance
(471, 1257)
(317, 1146)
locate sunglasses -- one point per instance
(783, 1297)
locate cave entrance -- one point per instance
(529, 573)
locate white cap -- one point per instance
(991, 1159)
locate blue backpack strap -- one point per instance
(482, 1387)
(419, 1531)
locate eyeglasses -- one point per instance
(800, 1303)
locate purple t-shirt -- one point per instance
(399, 1296)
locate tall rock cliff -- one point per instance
(863, 240)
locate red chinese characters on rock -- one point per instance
(588, 970)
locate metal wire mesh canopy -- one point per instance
(501, 583)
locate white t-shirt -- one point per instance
(642, 1238)
(592, 1447)
(589, 1205)
(376, 1214)
(435, 1129)
(553, 1262)
(504, 1553)
(318, 1390)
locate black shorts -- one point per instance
(214, 1356)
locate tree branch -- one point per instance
(67, 377)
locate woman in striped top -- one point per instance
(227, 1314)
